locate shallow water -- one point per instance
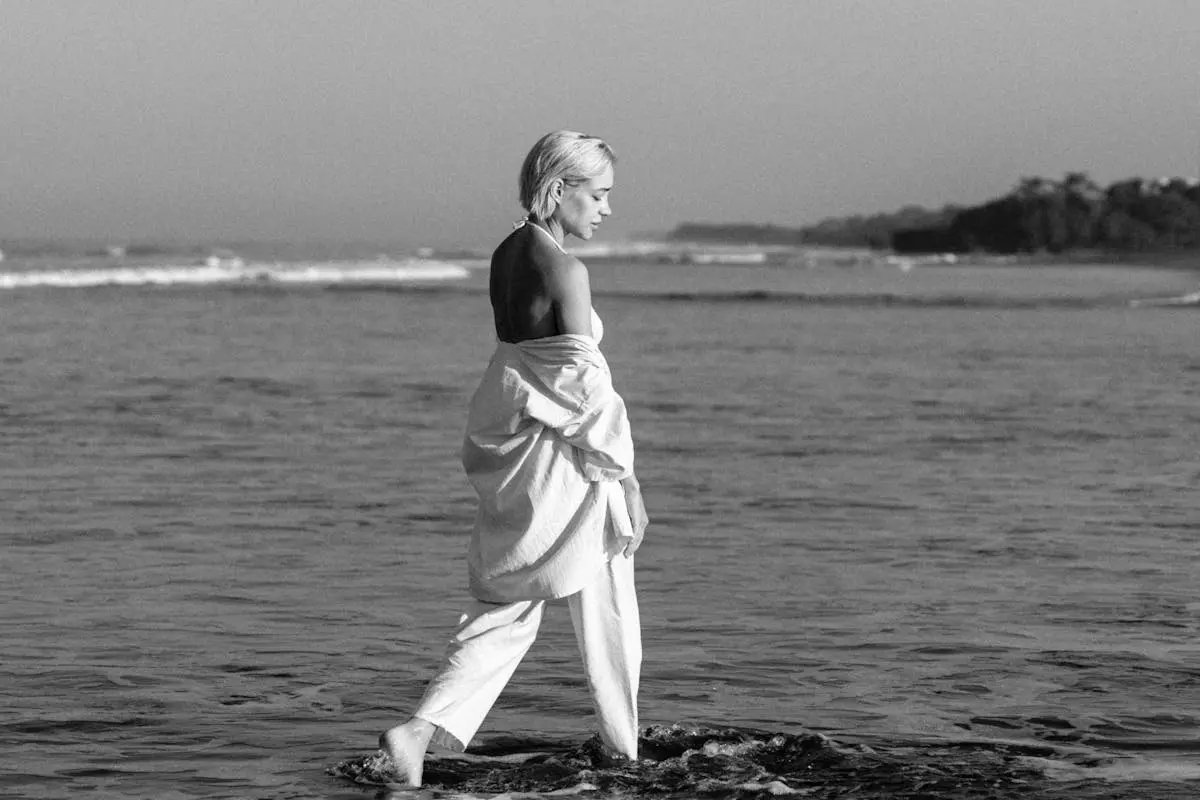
(947, 508)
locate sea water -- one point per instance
(913, 534)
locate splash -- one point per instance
(689, 762)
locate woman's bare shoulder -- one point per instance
(524, 249)
(570, 294)
(565, 270)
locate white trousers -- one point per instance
(492, 638)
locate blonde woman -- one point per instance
(549, 452)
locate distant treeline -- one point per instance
(1038, 215)
(873, 231)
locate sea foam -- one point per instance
(237, 272)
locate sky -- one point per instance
(406, 122)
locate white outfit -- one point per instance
(547, 443)
(493, 638)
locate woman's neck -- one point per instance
(552, 226)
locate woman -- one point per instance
(550, 455)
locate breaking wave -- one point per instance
(881, 299)
(1192, 299)
(235, 271)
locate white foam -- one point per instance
(753, 257)
(473, 263)
(1119, 770)
(369, 272)
(234, 271)
(1192, 299)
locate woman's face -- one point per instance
(584, 206)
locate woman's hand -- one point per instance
(637, 513)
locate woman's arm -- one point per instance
(571, 298)
(570, 295)
(637, 513)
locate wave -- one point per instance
(856, 300)
(1192, 299)
(868, 299)
(678, 762)
(235, 271)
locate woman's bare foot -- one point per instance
(405, 745)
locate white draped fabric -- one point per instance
(547, 442)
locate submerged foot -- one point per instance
(405, 745)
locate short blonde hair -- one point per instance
(573, 157)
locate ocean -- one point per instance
(914, 533)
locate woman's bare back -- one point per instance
(537, 289)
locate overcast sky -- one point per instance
(407, 121)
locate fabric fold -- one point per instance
(547, 442)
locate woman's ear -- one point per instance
(556, 189)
